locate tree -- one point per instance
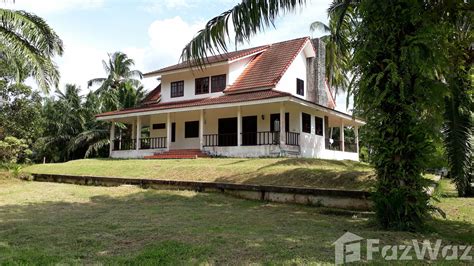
(120, 81)
(27, 38)
(338, 50)
(397, 57)
(64, 120)
(459, 105)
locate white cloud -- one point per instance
(80, 63)
(164, 6)
(52, 6)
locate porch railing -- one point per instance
(260, 138)
(336, 145)
(124, 144)
(213, 140)
(153, 143)
(250, 139)
(293, 138)
(350, 146)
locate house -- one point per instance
(270, 100)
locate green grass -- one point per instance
(271, 171)
(51, 223)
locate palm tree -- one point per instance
(120, 80)
(28, 37)
(338, 53)
(119, 71)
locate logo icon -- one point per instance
(347, 248)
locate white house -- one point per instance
(270, 100)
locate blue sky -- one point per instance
(152, 32)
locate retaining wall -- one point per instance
(334, 198)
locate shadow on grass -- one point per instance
(307, 177)
(163, 227)
(166, 227)
(315, 162)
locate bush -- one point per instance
(13, 150)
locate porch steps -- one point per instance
(179, 154)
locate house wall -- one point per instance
(311, 145)
(189, 83)
(297, 69)
(232, 71)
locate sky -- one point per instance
(151, 32)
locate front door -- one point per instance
(227, 129)
(249, 130)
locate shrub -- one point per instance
(13, 150)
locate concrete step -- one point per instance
(179, 154)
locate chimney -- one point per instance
(316, 74)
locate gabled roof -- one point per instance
(230, 56)
(153, 96)
(267, 68)
(230, 98)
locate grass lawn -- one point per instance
(50, 223)
(272, 171)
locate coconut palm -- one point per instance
(338, 54)
(29, 38)
(119, 71)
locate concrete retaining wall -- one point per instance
(343, 199)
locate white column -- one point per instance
(282, 125)
(138, 133)
(356, 132)
(342, 135)
(168, 131)
(112, 137)
(201, 129)
(239, 126)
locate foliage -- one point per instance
(338, 52)
(27, 40)
(244, 19)
(397, 45)
(71, 130)
(398, 81)
(20, 113)
(459, 104)
(13, 150)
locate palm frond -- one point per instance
(247, 18)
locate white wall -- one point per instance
(232, 71)
(189, 81)
(297, 69)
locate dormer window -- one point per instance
(300, 87)
(218, 83)
(177, 89)
(202, 85)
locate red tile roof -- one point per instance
(212, 59)
(154, 96)
(230, 98)
(268, 67)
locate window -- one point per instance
(218, 83)
(177, 89)
(202, 85)
(191, 129)
(306, 120)
(300, 87)
(318, 123)
(159, 126)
